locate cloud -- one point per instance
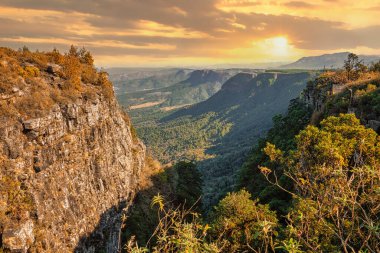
(171, 28)
(299, 4)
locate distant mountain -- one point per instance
(133, 80)
(332, 61)
(221, 130)
(198, 86)
(247, 90)
(203, 76)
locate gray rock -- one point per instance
(374, 124)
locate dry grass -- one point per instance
(29, 90)
(146, 105)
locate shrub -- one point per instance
(105, 84)
(31, 71)
(72, 72)
(241, 224)
(336, 173)
(13, 199)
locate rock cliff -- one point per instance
(69, 166)
(331, 94)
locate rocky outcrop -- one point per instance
(78, 165)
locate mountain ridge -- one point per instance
(333, 61)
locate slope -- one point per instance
(200, 85)
(219, 131)
(329, 61)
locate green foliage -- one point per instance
(181, 183)
(353, 67)
(220, 132)
(291, 246)
(176, 139)
(241, 224)
(282, 135)
(336, 176)
(178, 230)
(189, 185)
(364, 100)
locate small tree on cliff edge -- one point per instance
(353, 66)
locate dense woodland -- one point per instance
(311, 185)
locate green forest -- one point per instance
(311, 184)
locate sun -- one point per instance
(278, 45)
(280, 42)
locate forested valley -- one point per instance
(243, 176)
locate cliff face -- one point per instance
(331, 94)
(76, 165)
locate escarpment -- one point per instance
(70, 162)
(331, 93)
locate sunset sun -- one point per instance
(279, 45)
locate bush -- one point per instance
(14, 201)
(178, 230)
(241, 224)
(72, 72)
(335, 170)
(105, 84)
(31, 71)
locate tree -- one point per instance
(336, 173)
(282, 134)
(73, 51)
(241, 224)
(25, 49)
(375, 67)
(189, 186)
(86, 57)
(353, 66)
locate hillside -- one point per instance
(327, 61)
(220, 131)
(200, 85)
(133, 80)
(310, 185)
(70, 161)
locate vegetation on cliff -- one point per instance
(23, 71)
(312, 184)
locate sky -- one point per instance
(157, 33)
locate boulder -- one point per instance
(374, 124)
(17, 237)
(53, 68)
